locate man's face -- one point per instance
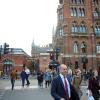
(63, 70)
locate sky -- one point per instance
(22, 21)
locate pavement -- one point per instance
(6, 85)
(6, 82)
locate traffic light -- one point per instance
(57, 53)
(6, 48)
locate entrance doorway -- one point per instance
(7, 66)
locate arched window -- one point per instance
(97, 29)
(81, 1)
(95, 1)
(83, 47)
(98, 48)
(74, 28)
(81, 12)
(75, 47)
(72, 12)
(61, 31)
(96, 13)
(82, 28)
(75, 12)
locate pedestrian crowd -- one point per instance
(65, 84)
(46, 77)
(43, 78)
(24, 76)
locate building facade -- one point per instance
(78, 33)
(41, 55)
(16, 58)
(44, 60)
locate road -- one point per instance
(27, 94)
(33, 92)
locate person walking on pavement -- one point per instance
(77, 79)
(40, 76)
(93, 85)
(54, 73)
(13, 76)
(70, 74)
(61, 89)
(47, 78)
(27, 76)
(23, 77)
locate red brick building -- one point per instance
(78, 33)
(44, 60)
(16, 58)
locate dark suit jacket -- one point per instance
(94, 87)
(58, 91)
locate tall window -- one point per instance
(74, 28)
(73, 11)
(96, 12)
(61, 31)
(82, 28)
(98, 48)
(75, 47)
(97, 29)
(81, 12)
(83, 47)
(60, 14)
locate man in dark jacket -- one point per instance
(61, 89)
(23, 77)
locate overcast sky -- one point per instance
(21, 21)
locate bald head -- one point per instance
(63, 66)
(63, 69)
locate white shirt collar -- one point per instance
(62, 77)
